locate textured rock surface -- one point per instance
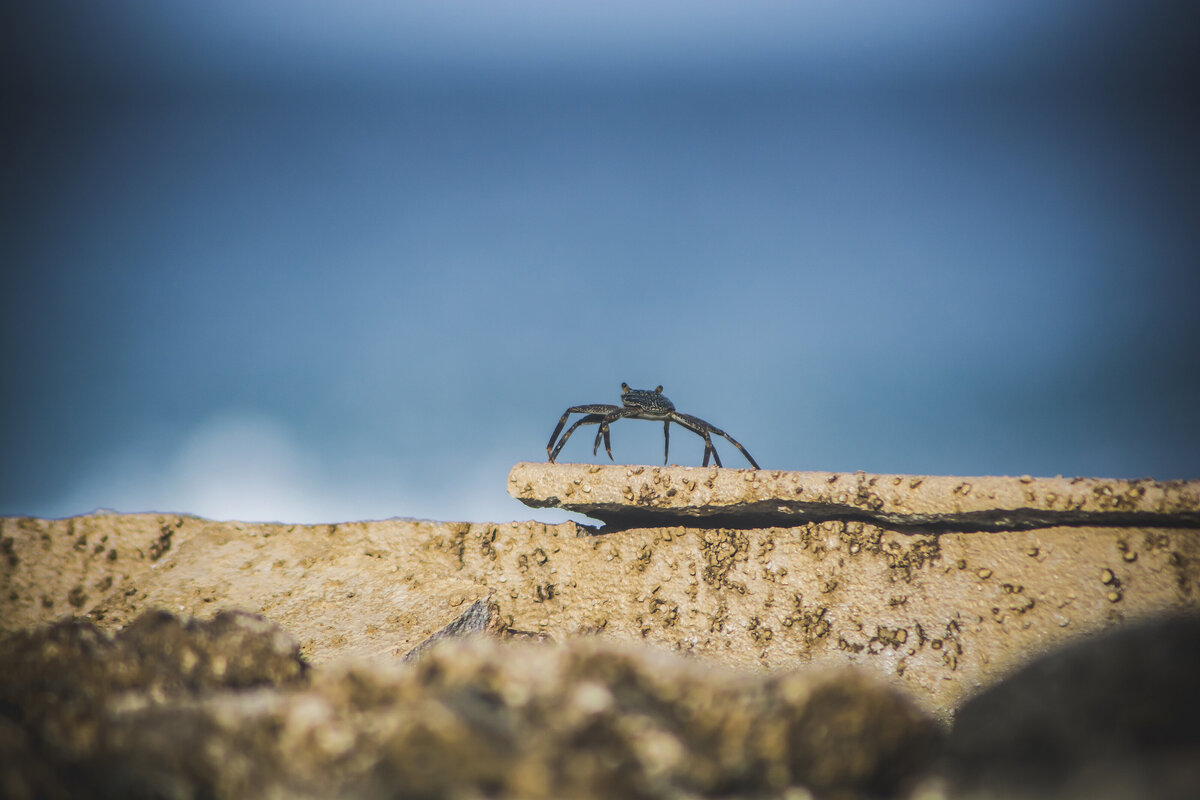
(359, 589)
(471, 719)
(940, 614)
(712, 497)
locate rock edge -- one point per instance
(628, 496)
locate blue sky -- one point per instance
(269, 261)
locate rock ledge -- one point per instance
(629, 496)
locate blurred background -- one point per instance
(314, 262)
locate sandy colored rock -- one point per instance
(942, 615)
(715, 497)
(340, 588)
(590, 719)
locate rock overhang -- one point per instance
(637, 495)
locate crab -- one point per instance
(640, 404)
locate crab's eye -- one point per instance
(658, 389)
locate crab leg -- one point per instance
(597, 410)
(590, 419)
(702, 428)
(607, 442)
(603, 433)
(692, 424)
(738, 445)
(613, 416)
(709, 447)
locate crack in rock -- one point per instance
(642, 496)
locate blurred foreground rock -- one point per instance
(149, 714)
(186, 709)
(1110, 718)
(84, 713)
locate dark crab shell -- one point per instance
(652, 404)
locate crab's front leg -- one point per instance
(595, 412)
(619, 413)
(603, 434)
(590, 419)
